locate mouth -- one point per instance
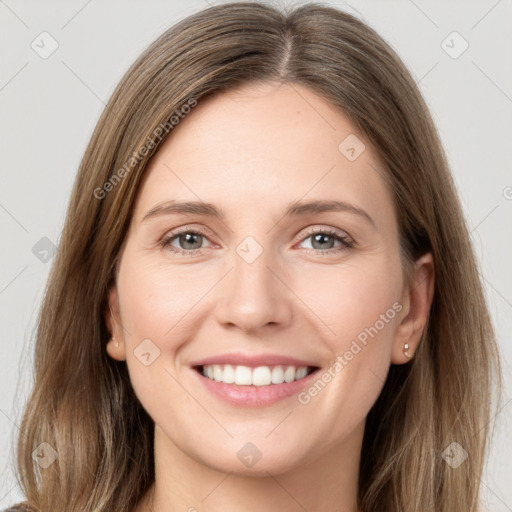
(254, 380)
(260, 376)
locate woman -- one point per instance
(324, 343)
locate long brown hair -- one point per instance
(83, 404)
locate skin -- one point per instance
(251, 151)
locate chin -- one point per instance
(248, 455)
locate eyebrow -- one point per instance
(294, 209)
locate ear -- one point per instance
(417, 299)
(116, 344)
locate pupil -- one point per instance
(321, 236)
(188, 238)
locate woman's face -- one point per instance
(256, 284)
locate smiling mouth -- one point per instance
(258, 376)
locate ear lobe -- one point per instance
(417, 299)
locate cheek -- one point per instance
(360, 305)
(159, 302)
(354, 299)
(361, 309)
(365, 321)
(154, 304)
(155, 298)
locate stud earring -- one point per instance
(406, 350)
(116, 342)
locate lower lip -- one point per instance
(255, 396)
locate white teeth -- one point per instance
(301, 373)
(228, 375)
(217, 372)
(277, 375)
(289, 374)
(243, 375)
(259, 376)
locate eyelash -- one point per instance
(345, 240)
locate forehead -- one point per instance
(265, 145)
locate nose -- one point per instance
(255, 295)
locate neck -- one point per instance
(328, 482)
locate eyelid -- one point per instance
(329, 230)
(309, 230)
(341, 236)
(189, 228)
(173, 233)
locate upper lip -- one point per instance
(253, 361)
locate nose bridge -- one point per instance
(251, 266)
(253, 296)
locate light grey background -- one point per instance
(50, 106)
